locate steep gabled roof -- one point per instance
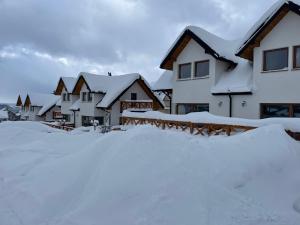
(39, 99)
(112, 87)
(219, 48)
(51, 103)
(164, 82)
(264, 25)
(20, 101)
(65, 82)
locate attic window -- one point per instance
(297, 57)
(276, 59)
(185, 71)
(202, 68)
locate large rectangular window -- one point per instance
(280, 110)
(276, 59)
(297, 57)
(185, 71)
(188, 108)
(202, 69)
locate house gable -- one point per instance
(182, 42)
(263, 29)
(19, 101)
(79, 84)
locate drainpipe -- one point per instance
(230, 104)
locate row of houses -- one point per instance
(257, 76)
(79, 101)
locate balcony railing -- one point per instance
(138, 105)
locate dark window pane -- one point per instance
(133, 96)
(297, 57)
(202, 69)
(185, 71)
(188, 108)
(276, 59)
(275, 111)
(83, 96)
(90, 97)
(100, 120)
(296, 111)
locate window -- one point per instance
(185, 71)
(64, 97)
(275, 59)
(69, 97)
(83, 96)
(100, 120)
(133, 96)
(202, 69)
(32, 108)
(86, 121)
(66, 117)
(188, 108)
(90, 96)
(280, 110)
(297, 57)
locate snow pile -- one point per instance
(3, 114)
(147, 176)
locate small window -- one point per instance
(133, 96)
(275, 59)
(83, 96)
(69, 97)
(100, 120)
(64, 97)
(31, 108)
(188, 108)
(185, 71)
(90, 97)
(202, 69)
(86, 121)
(66, 117)
(297, 57)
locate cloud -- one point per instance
(42, 40)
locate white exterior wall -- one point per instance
(141, 95)
(65, 105)
(32, 115)
(49, 115)
(197, 90)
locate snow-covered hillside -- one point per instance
(147, 176)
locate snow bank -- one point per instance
(292, 124)
(147, 176)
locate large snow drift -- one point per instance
(147, 176)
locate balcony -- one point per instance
(136, 105)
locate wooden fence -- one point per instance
(61, 127)
(195, 128)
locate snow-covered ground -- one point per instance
(147, 176)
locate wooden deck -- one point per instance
(204, 129)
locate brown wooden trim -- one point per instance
(273, 50)
(78, 85)
(202, 61)
(295, 48)
(19, 101)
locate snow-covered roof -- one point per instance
(164, 82)
(39, 99)
(75, 105)
(3, 114)
(58, 103)
(238, 80)
(50, 103)
(110, 86)
(219, 48)
(256, 28)
(69, 83)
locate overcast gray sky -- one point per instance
(42, 40)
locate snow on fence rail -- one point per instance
(205, 123)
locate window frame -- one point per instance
(179, 70)
(89, 97)
(291, 107)
(195, 65)
(191, 104)
(264, 69)
(295, 66)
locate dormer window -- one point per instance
(185, 71)
(68, 97)
(202, 69)
(83, 96)
(90, 97)
(64, 97)
(276, 59)
(297, 57)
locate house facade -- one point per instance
(256, 77)
(103, 98)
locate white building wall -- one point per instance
(49, 115)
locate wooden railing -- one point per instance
(136, 105)
(61, 127)
(193, 128)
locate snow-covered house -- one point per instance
(41, 107)
(103, 98)
(64, 89)
(255, 77)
